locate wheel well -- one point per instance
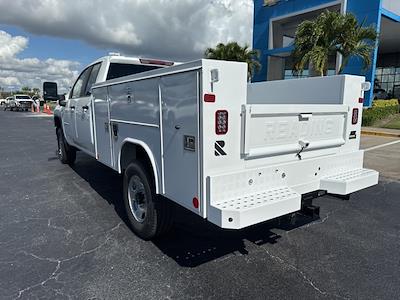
(131, 152)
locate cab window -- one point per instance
(80, 85)
(92, 78)
(120, 70)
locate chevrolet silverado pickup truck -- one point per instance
(197, 134)
(19, 103)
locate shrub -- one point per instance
(380, 110)
(385, 103)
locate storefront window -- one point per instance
(387, 79)
(288, 74)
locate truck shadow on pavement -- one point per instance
(195, 241)
(192, 241)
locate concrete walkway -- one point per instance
(380, 131)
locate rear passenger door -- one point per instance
(84, 111)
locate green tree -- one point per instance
(26, 89)
(234, 52)
(36, 91)
(329, 34)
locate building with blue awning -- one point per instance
(275, 23)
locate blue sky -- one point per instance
(43, 47)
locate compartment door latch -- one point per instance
(304, 145)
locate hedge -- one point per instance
(385, 103)
(381, 109)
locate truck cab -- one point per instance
(75, 114)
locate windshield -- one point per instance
(23, 97)
(120, 70)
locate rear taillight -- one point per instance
(354, 118)
(221, 122)
(360, 100)
(196, 202)
(209, 98)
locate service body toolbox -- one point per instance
(235, 153)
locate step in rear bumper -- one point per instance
(252, 209)
(350, 181)
(337, 174)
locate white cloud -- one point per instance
(9, 81)
(171, 29)
(16, 72)
(174, 29)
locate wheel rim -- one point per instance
(137, 198)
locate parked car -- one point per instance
(2, 102)
(380, 94)
(19, 102)
(7, 103)
(396, 92)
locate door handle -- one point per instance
(115, 129)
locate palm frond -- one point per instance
(232, 51)
(328, 34)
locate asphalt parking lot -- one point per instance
(382, 154)
(63, 236)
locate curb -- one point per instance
(380, 133)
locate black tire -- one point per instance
(66, 154)
(158, 218)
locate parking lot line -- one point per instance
(382, 146)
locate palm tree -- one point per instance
(329, 34)
(234, 52)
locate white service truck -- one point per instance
(199, 135)
(19, 102)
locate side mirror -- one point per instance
(62, 101)
(50, 91)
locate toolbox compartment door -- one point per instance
(274, 130)
(180, 130)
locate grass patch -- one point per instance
(394, 123)
(380, 111)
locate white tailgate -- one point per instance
(272, 130)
